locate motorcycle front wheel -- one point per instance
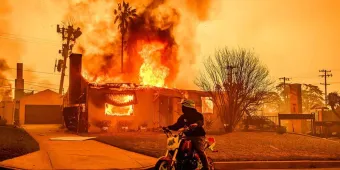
(211, 164)
(163, 165)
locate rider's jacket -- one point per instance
(190, 116)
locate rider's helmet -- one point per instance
(188, 103)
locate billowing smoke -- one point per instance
(5, 85)
(10, 49)
(158, 42)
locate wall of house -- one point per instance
(42, 98)
(7, 111)
(145, 111)
(217, 125)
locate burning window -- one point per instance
(119, 105)
(207, 105)
(113, 110)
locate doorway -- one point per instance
(165, 111)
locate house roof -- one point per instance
(41, 93)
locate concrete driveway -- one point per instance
(87, 154)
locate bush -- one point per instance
(123, 124)
(103, 124)
(281, 130)
(3, 122)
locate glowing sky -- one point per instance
(294, 38)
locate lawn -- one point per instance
(15, 142)
(237, 146)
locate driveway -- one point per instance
(87, 154)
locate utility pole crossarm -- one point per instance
(326, 73)
(230, 73)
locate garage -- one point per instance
(43, 107)
(43, 114)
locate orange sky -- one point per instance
(294, 38)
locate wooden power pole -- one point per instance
(284, 90)
(69, 35)
(230, 73)
(325, 75)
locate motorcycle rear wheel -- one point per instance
(163, 165)
(211, 164)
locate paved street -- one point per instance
(75, 154)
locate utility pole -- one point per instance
(325, 75)
(284, 89)
(230, 73)
(69, 35)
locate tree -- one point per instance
(238, 93)
(311, 96)
(334, 102)
(124, 14)
(273, 101)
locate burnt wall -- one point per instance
(145, 111)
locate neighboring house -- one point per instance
(7, 111)
(41, 108)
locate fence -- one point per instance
(274, 119)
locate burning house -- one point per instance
(155, 46)
(125, 105)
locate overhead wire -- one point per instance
(30, 40)
(34, 83)
(38, 72)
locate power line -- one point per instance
(32, 83)
(51, 73)
(23, 89)
(29, 37)
(325, 75)
(23, 40)
(42, 86)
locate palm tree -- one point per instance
(125, 14)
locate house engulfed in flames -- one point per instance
(86, 104)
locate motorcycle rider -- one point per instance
(195, 121)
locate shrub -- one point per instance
(144, 124)
(3, 122)
(123, 123)
(103, 123)
(281, 130)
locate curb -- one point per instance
(5, 167)
(272, 165)
(316, 137)
(276, 164)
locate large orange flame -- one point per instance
(152, 72)
(154, 45)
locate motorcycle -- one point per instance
(180, 155)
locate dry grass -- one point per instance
(237, 146)
(15, 142)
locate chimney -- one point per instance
(75, 78)
(19, 82)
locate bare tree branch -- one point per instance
(244, 93)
